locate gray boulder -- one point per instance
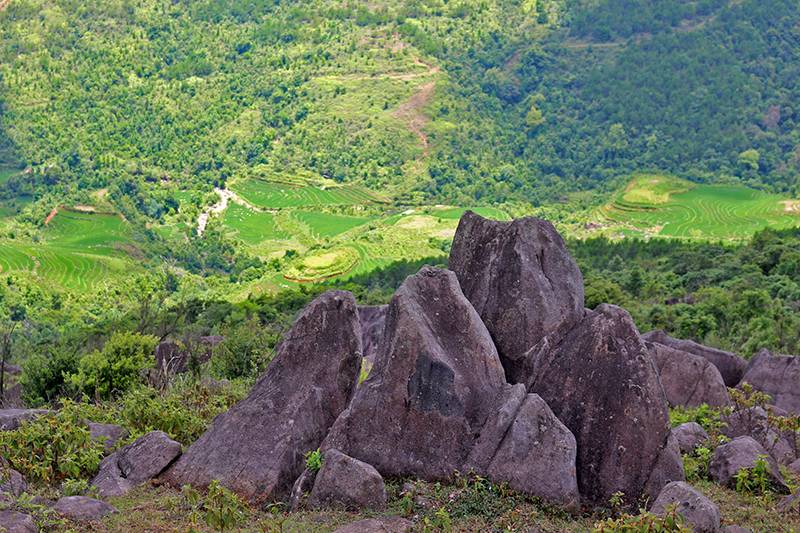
(108, 434)
(140, 461)
(437, 402)
(601, 383)
(257, 448)
(11, 481)
(392, 524)
(778, 376)
(344, 482)
(521, 280)
(688, 380)
(700, 513)
(794, 468)
(668, 468)
(754, 422)
(740, 453)
(373, 320)
(731, 367)
(689, 436)
(16, 522)
(82, 508)
(11, 418)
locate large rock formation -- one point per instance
(257, 448)
(731, 367)
(373, 319)
(688, 380)
(602, 384)
(437, 400)
(521, 280)
(778, 376)
(741, 453)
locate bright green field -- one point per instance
(270, 195)
(454, 213)
(78, 251)
(679, 209)
(327, 224)
(252, 227)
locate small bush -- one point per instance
(43, 376)
(754, 480)
(314, 460)
(53, 447)
(245, 352)
(708, 417)
(643, 523)
(221, 509)
(118, 367)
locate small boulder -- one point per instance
(700, 513)
(789, 504)
(11, 418)
(392, 524)
(344, 482)
(373, 320)
(82, 508)
(11, 481)
(521, 280)
(754, 422)
(16, 522)
(601, 383)
(12, 370)
(108, 434)
(301, 486)
(668, 468)
(741, 453)
(778, 376)
(257, 447)
(794, 468)
(688, 380)
(140, 461)
(731, 367)
(689, 436)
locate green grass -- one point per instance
(252, 227)
(6, 173)
(678, 209)
(327, 224)
(270, 195)
(454, 213)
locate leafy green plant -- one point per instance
(756, 479)
(220, 509)
(53, 447)
(76, 487)
(439, 521)
(708, 417)
(116, 368)
(643, 523)
(314, 460)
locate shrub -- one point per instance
(117, 368)
(43, 375)
(221, 509)
(245, 352)
(53, 447)
(314, 460)
(643, 523)
(705, 415)
(754, 480)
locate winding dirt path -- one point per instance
(225, 196)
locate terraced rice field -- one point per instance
(454, 213)
(79, 251)
(721, 212)
(252, 227)
(271, 195)
(327, 224)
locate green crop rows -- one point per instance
(269, 195)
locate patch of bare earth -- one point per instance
(411, 113)
(791, 206)
(4, 4)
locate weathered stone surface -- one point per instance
(731, 367)
(753, 422)
(344, 482)
(688, 380)
(437, 401)
(108, 434)
(742, 452)
(301, 486)
(82, 508)
(16, 522)
(735, 529)
(668, 468)
(11, 481)
(393, 524)
(140, 461)
(700, 513)
(373, 320)
(12, 396)
(601, 383)
(434, 383)
(536, 453)
(789, 504)
(10, 418)
(778, 376)
(794, 468)
(521, 280)
(257, 447)
(689, 436)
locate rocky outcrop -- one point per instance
(521, 280)
(698, 512)
(437, 400)
(689, 436)
(140, 461)
(373, 319)
(344, 482)
(741, 453)
(257, 447)
(11, 418)
(16, 522)
(601, 383)
(108, 434)
(688, 380)
(731, 367)
(778, 376)
(82, 508)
